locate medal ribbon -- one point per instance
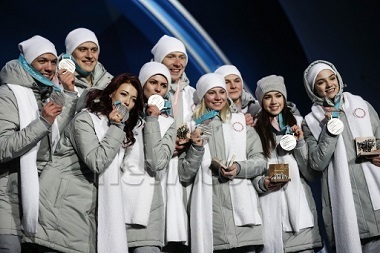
(207, 115)
(335, 114)
(35, 74)
(282, 125)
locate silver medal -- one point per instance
(288, 142)
(67, 64)
(335, 126)
(156, 100)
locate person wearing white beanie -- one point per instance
(154, 68)
(29, 132)
(83, 48)
(223, 156)
(243, 100)
(155, 79)
(171, 52)
(146, 225)
(333, 129)
(30, 51)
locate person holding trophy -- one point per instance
(290, 220)
(223, 156)
(337, 123)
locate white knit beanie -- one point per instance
(209, 81)
(36, 46)
(79, 36)
(270, 83)
(314, 71)
(166, 45)
(226, 70)
(153, 68)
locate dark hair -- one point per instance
(99, 101)
(264, 128)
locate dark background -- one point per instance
(259, 37)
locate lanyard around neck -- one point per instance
(35, 74)
(207, 115)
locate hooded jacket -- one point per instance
(321, 151)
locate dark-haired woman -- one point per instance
(289, 214)
(92, 145)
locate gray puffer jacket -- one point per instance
(307, 238)
(158, 151)
(321, 151)
(226, 235)
(69, 186)
(15, 142)
(100, 79)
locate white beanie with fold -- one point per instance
(165, 45)
(314, 71)
(226, 70)
(153, 68)
(209, 81)
(36, 46)
(79, 36)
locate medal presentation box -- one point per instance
(366, 146)
(279, 173)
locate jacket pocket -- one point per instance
(61, 192)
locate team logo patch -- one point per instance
(359, 113)
(238, 127)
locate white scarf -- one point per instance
(344, 218)
(176, 216)
(175, 211)
(286, 209)
(360, 126)
(28, 111)
(112, 235)
(243, 196)
(137, 184)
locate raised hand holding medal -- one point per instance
(66, 69)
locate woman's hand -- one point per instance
(115, 116)
(298, 133)
(230, 172)
(375, 159)
(152, 110)
(270, 185)
(196, 137)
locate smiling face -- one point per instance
(126, 94)
(326, 84)
(234, 87)
(215, 98)
(273, 102)
(156, 84)
(176, 63)
(86, 55)
(46, 64)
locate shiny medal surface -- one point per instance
(335, 126)
(67, 64)
(288, 142)
(156, 100)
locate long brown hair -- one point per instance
(264, 127)
(99, 101)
